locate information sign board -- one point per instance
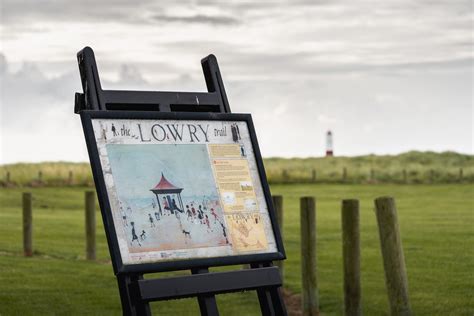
(179, 190)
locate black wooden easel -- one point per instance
(135, 291)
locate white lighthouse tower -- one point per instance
(329, 144)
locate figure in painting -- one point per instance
(143, 235)
(200, 215)
(186, 234)
(152, 222)
(242, 151)
(134, 235)
(166, 205)
(235, 138)
(206, 220)
(213, 213)
(188, 212)
(237, 130)
(114, 130)
(157, 216)
(224, 233)
(124, 219)
(174, 206)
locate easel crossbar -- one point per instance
(167, 97)
(208, 283)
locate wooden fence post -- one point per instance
(70, 177)
(344, 174)
(313, 176)
(40, 176)
(90, 225)
(8, 177)
(393, 258)
(278, 205)
(351, 257)
(27, 224)
(310, 297)
(405, 176)
(285, 176)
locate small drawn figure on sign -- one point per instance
(242, 151)
(206, 220)
(114, 130)
(224, 233)
(143, 235)
(152, 223)
(170, 204)
(175, 207)
(188, 212)
(134, 235)
(166, 206)
(213, 213)
(200, 215)
(186, 234)
(157, 216)
(237, 130)
(235, 137)
(124, 219)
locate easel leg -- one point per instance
(271, 301)
(264, 297)
(131, 304)
(278, 303)
(207, 303)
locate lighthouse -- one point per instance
(329, 148)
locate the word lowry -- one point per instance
(177, 132)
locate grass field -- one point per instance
(410, 167)
(437, 228)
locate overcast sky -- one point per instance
(384, 76)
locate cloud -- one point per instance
(198, 18)
(327, 119)
(270, 40)
(37, 121)
(385, 76)
(368, 113)
(3, 63)
(18, 12)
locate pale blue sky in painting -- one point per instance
(137, 168)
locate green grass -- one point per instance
(436, 223)
(420, 167)
(437, 230)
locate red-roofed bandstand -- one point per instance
(166, 188)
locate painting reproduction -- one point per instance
(183, 189)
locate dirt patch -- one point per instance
(292, 302)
